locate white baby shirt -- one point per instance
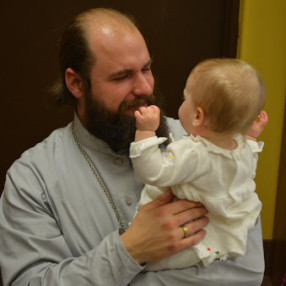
(222, 180)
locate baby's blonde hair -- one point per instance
(229, 91)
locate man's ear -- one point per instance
(74, 83)
(199, 118)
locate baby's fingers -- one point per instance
(263, 118)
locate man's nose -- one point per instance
(143, 85)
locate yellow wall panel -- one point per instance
(262, 43)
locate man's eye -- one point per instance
(121, 77)
(146, 69)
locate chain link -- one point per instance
(98, 178)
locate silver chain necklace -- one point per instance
(98, 178)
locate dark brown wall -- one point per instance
(278, 263)
(179, 34)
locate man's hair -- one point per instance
(74, 50)
(230, 92)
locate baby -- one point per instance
(215, 164)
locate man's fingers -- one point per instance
(192, 233)
(183, 205)
(191, 240)
(160, 201)
(184, 211)
(191, 214)
(194, 226)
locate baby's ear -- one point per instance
(199, 118)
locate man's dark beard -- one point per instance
(118, 129)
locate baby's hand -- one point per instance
(258, 125)
(147, 118)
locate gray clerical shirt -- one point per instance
(58, 228)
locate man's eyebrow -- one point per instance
(120, 73)
(127, 71)
(148, 63)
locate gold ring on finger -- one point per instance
(185, 230)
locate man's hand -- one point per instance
(257, 126)
(156, 231)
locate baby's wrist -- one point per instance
(249, 137)
(139, 129)
(143, 134)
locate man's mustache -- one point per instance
(139, 101)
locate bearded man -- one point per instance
(67, 203)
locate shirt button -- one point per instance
(118, 161)
(128, 201)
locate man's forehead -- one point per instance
(106, 25)
(120, 48)
(113, 40)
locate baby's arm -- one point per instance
(257, 126)
(147, 122)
